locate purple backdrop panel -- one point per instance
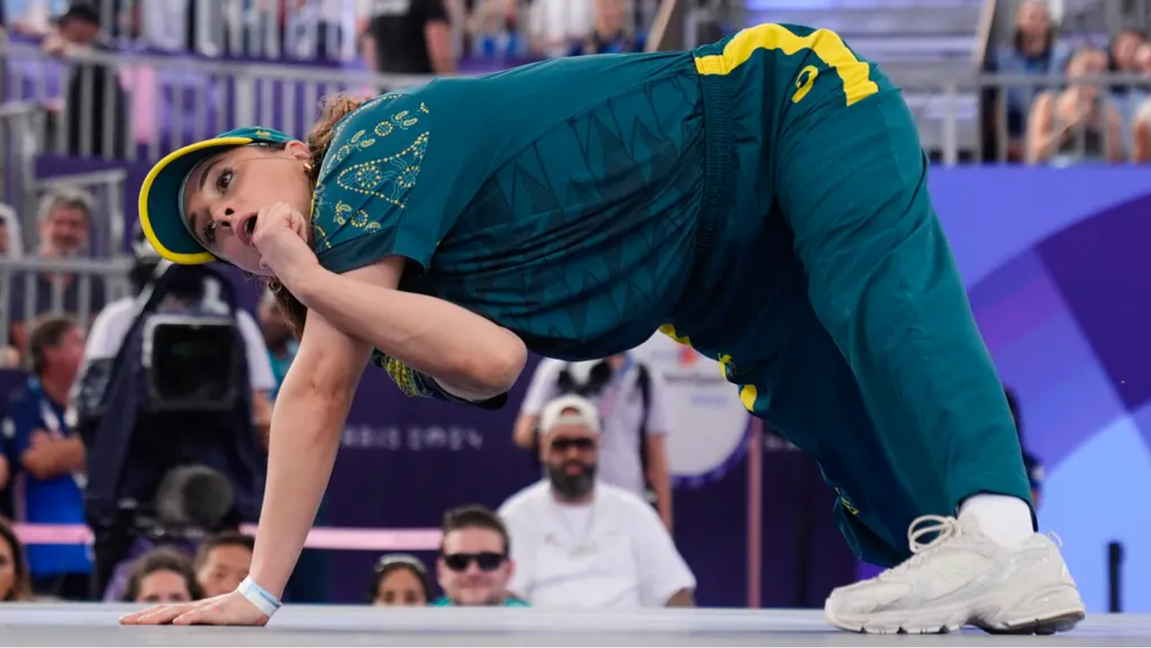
(1101, 268)
(711, 534)
(804, 555)
(1042, 353)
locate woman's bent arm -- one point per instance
(467, 354)
(307, 424)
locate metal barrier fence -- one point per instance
(168, 102)
(160, 103)
(131, 106)
(78, 287)
(26, 177)
(289, 30)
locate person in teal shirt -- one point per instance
(282, 345)
(444, 601)
(762, 199)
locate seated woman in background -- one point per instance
(612, 34)
(1078, 124)
(15, 583)
(1141, 122)
(400, 580)
(162, 576)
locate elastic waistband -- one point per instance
(717, 130)
(718, 168)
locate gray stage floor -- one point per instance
(95, 625)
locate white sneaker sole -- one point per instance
(1057, 609)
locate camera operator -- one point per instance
(169, 403)
(112, 324)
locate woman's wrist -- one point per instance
(264, 600)
(302, 281)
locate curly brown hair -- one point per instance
(22, 588)
(332, 110)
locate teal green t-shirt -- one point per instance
(444, 601)
(558, 200)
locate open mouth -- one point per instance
(247, 229)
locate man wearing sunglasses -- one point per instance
(474, 567)
(579, 542)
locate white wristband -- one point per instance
(259, 597)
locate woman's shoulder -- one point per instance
(379, 130)
(369, 170)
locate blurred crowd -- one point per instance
(131, 73)
(1058, 107)
(594, 533)
(398, 36)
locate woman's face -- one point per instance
(1143, 59)
(223, 195)
(1033, 18)
(1124, 49)
(401, 587)
(163, 586)
(1087, 63)
(7, 570)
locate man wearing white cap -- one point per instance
(581, 543)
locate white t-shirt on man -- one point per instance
(621, 417)
(612, 553)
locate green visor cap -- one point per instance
(162, 195)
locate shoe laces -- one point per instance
(944, 528)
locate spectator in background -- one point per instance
(613, 34)
(556, 25)
(1031, 463)
(65, 220)
(579, 543)
(49, 458)
(10, 248)
(10, 244)
(474, 566)
(1141, 121)
(282, 344)
(1035, 52)
(94, 96)
(1123, 60)
(633, 406)
(409, 36)
(222, 562)
(1122, 53)
(400, 580)
(1079, 124)
(31, 17)
(14, 579)
(162, 576)
(494, 29)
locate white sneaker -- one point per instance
(963, 577)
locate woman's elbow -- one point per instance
(324, 393)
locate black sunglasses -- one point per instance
(564, 444)
(486, 561)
